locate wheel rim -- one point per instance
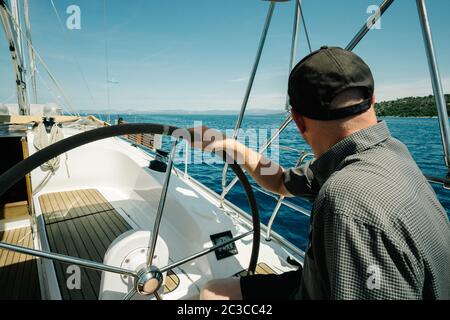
(16, 173)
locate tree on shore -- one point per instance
(410, 107)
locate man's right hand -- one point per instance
(207, 139)
(266, 173)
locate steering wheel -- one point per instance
(149, 279)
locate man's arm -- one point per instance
(264, 171)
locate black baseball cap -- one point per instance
(321, 76)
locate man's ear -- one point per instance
(373, 100)
(299, 121)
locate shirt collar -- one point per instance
(358, 142)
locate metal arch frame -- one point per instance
(288, 120)
(436, 82)
(294, 44)
(251, 81)
(368, 26)
(305, 28)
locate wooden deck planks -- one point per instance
(82, 224)
(77, 247)
(172, 282)
(261, 269)
(18, 272)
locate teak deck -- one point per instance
(18, 272)
(261, 269)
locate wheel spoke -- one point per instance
(133, 292)
(67, 259)
(204, 252)
(130, 294)
(161, 205)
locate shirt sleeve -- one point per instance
(362, 262)
(300, 181)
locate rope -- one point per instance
(42, 141)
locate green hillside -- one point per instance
(410, 107)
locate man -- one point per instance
(377, 229)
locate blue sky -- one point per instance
(197, 54)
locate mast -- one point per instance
(17, 59)
(31, 55)
(15, 10)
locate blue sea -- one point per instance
(422, 136)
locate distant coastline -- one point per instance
(216, 112)
(410, 107)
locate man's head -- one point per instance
(331, 95)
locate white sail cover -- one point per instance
(45, 110)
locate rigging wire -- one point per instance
(74, 59)
(56, 97)
(46, 68)
(7, 100)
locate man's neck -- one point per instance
(333, 137)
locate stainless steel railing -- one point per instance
(288, 120)
(281, 202)
(435, 79)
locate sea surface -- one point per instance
(422, 136)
